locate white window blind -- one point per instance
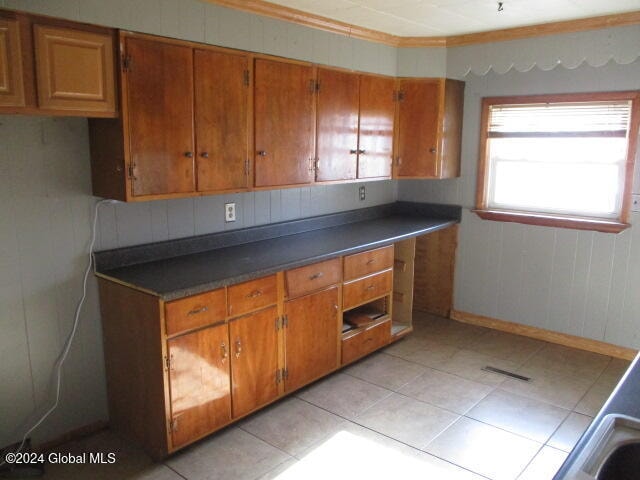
(561, 158)
(561, 119)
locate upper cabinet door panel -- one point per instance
(11, 73)
(221, 113)
(377, 114)
(284, 123)
(337, 125)
(418, 128)
(159, 86)
(74, 69)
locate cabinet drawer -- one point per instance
(367, 288)
(310, 278)
(364, 263)
(196, 311)
(366, 341)
(250, 296)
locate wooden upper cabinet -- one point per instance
(377, 116)
(74, 69)
(221, 120)
(284, 123)
(429, 128)
(311, 337)
(159, 107)
(337, 127)
(11, 70)
(199, 383)
(254, 360)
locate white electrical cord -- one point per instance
(72, 334)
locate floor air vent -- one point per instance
(504, 372)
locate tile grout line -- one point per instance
(174, 470)
(354, 422)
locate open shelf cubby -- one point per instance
(364, 316)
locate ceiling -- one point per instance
(435, 18)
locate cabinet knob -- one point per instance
(262, 153)
(204, 154)
(188, 154)
(353, 152)
(433, 150)
(361, 152)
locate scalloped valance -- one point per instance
(596, 48)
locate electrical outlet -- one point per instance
(362, 192)
(635, 202)
(229, 212)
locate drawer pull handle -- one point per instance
(371, 261)
(223, 351)
(238, 348)
(198, 310)
(370, 339)
(254, 294)
(370, 287)
(315, 276)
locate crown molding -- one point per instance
(543, 29)
(268, 9)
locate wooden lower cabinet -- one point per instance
(366, 341)
(254, 360)
(311, 337)
(200, 383)
(182, 369)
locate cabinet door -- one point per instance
(74, 69)
(11, 79)
(311, 337)
(199, 382)
(418, 129)
(254, 360)
(337, 145)
(159, 86)
(284, 123)
(377, 114)
(221, 119)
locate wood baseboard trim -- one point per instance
(75, 434)
(567, 340)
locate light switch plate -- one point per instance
(635, 202)
(229, 212)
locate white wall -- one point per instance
(581, 283)
(46, 207)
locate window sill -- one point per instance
(549, 220)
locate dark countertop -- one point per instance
(625, 400)
(173, 277)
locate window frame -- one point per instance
(549, 219)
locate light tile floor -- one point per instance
(422, 408)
